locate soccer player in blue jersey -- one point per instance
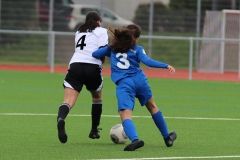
(125, 56)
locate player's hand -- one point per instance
(171, 69)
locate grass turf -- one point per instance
(204, 114)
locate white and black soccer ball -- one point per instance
(118, 135)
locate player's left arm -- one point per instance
(103, 41)
(102, 52)
(102, 58)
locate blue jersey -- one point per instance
(127, 64)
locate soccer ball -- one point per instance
(118, 135)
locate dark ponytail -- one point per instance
(90, 22)
(123, 39)
(135, 29)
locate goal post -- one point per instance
(220, 56)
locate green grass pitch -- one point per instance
(205, 114)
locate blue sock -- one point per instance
(130, 129)
(161, 124)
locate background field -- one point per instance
(205, 114)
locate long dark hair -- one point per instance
(123, 39)
(90, 22)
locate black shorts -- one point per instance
(87, 74)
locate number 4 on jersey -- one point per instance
(81, 43)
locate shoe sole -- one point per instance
(134, 146)
(62, 136)
(173, 136)
(93, 136)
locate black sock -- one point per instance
(63, 111)
(96, 114)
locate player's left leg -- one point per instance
(126, 100)
(70, 96)
(130, 130)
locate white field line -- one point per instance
(156, 158)
(200, 157)
(117, 116)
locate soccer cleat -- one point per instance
(134, 145)
(62, 136)
(94, 134)
(170, 139)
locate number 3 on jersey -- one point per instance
(124, 60)
(81, 43)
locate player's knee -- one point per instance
(97, 98)
(152, 108)
(96, 95)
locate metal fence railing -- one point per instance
(37, 31)
(52, 48)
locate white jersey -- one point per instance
(86, 43)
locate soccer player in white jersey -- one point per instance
(125, 56)
(85, 70)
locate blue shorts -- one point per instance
(131, 87)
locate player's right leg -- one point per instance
(96, 114)
(94, 84)
(161, 123)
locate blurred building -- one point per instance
(124, 8)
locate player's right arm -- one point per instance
(171, 69)
(148, 61)
(153, 63)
